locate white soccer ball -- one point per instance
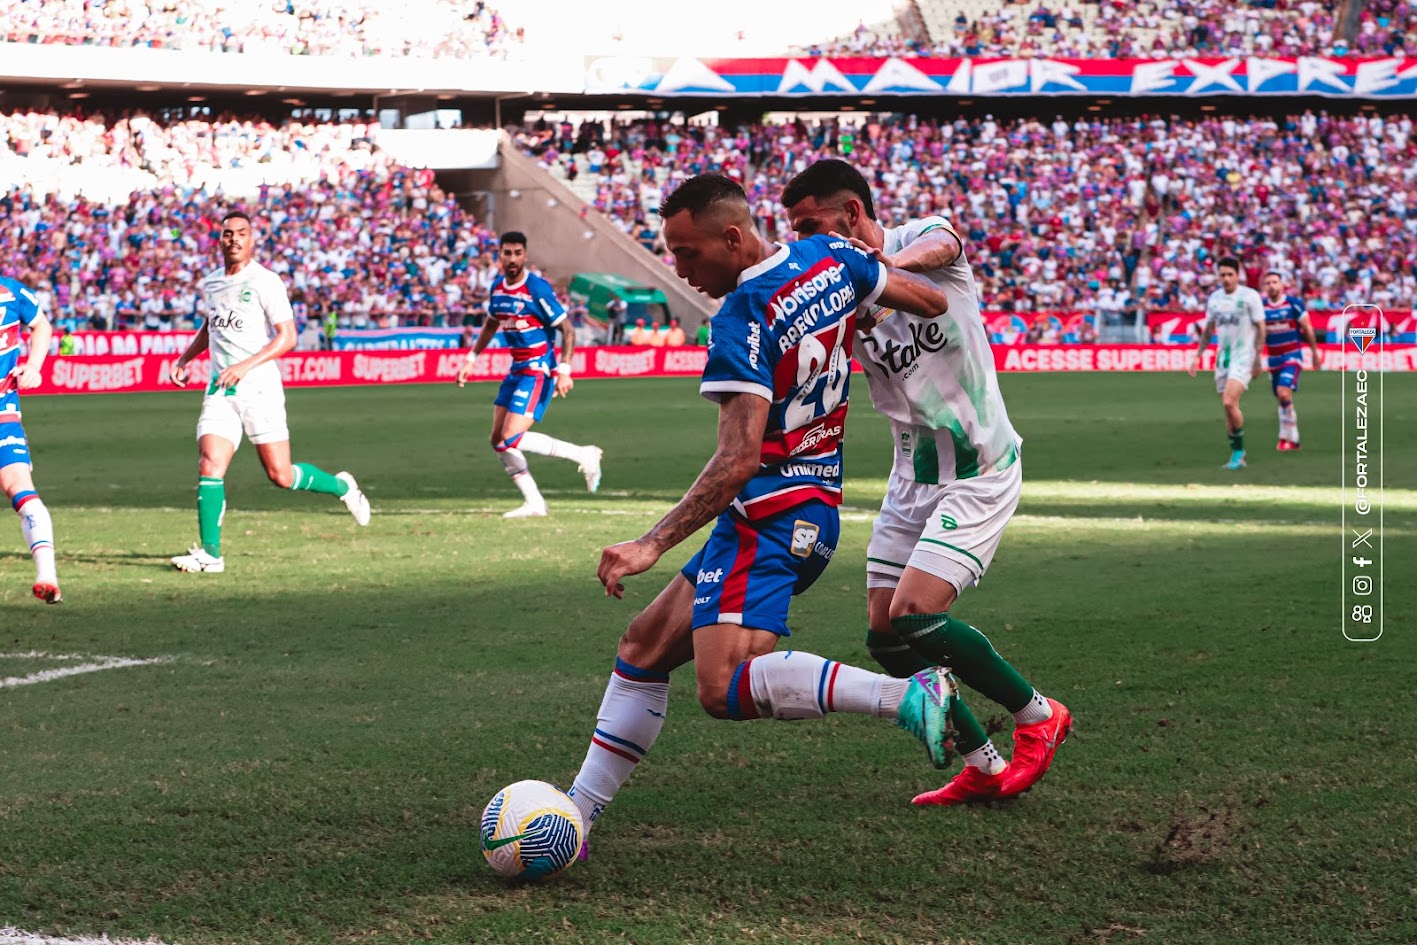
(531, 830)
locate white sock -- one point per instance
(544, 445)
(986, 759)
(797, 685)
(1037, 710)
(1288, 424)
(38, 529)
(514, 462)
(630, 717)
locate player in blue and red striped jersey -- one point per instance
(524, 307)
(778, 368)
(20, 308)
(1286, 328)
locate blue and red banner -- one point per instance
(1391, 77)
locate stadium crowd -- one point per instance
(1111, 215)
(355, 233)
(1142, 29)
(417, 28)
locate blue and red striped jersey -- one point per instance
(785, 334)
(1282, 340)
(527, 313)
(18, 307)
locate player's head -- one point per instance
(709, 229)
(513, 255)
(237, 239)
(831, 196)
(1229, 270)
(1273, 284)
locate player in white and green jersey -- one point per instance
(248, 326)
(954, 485)
(1235, 314)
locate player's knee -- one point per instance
(713, 696)
(911, 604)
(283, 477)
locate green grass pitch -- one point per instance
(308, 760)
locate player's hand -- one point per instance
(622, 560)
(564, 384)
(232, 376)
(1257, 370)
(1192, 363)
(465, 370)
(1318, 359)
(179, 374)
(27, 378)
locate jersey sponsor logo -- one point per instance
(811, 470)
(698, 602)
(13, 441)
(229, 320)
(709, 577)
(925, 338)
(246, 295)
(818, 434)
(948, 524)
(755, 343)
(804, 537)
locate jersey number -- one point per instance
(821, 380)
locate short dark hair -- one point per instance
(237, 215)
(827, 177)
(698, 194)
(513, 236)
(1228, 262)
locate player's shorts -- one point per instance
(1237, 371)
(14, 447)
(951, 530)
(1286, 375)
(748, 572)
(526, 394)
(256, 406)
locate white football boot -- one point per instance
(197, 559)
(591, 467)
(355, 500)
(527, 510)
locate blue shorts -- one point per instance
(14, 448)
(526, 394)
(748, 572)
(1286, 375)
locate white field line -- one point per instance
(49, 675)
(14, 936)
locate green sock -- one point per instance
(211, 506)
(310, 478)
(895, 655)
(945, 641)
(1237, 441)
(969, 734)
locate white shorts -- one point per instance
(257, 407)
(1235, 372)
(950, 530)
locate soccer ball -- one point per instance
(531, 830)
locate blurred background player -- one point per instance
(248, 326)
(1286, 327)
(20, 308)
(778, 370)
(953, 487)
(524, 307)
(1235, 315)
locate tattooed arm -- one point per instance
(742, 420)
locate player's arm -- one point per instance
(41, 333)
(914, 294)
(283, 342)
(1206, 331)
(1257, 316)
(934, 249)
(563, 366)
(742, 421)
(195, 347)
(490, 324)
(1306, 331)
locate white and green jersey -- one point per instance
(242, 312)
(934, 378)
(1235, 315)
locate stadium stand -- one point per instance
(1114, 215)
(1135, 30)
(114, 219)
(417, 28)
